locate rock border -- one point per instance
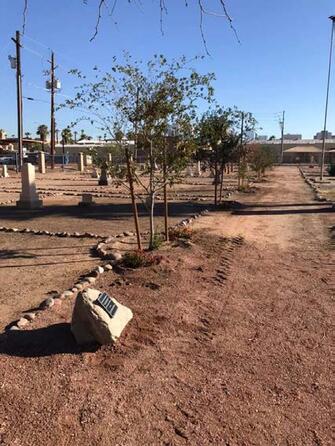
(318, 195)
(52, 234)
(85, 281)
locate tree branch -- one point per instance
(101, 4)
(25, 10)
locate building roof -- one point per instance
(24, 140)
(303, 149)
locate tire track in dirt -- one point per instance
(229, 247)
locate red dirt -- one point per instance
(233, 348)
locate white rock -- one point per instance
(48, 303)
(91, 323)
(99, 269)
(66, 294)
(108, 267)
(14, 327)
(116, 255)
(22, 322)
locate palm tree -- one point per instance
(27, 134)
(67, 135)
(43, 132)
(82, 135)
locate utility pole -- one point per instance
(52, 123)
(17, 42)
(282, 125)
(332, 18)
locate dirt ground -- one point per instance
(110, 215)
(33, 268)
(230, 342)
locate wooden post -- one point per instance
(19, 99)
(52, 121)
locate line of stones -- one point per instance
(115, 255)
(51, 233)
(8, 201)
(86, 282)
(74, 193)
(315, 188)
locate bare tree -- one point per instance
(109, 6)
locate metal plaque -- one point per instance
(107, 304)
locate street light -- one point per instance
(332, 18)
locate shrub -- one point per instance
(331, 170)
(137, 259)
(157, 242)
(180, 232)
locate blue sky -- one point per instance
(281, 63)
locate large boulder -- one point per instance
(92, 323)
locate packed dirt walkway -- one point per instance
(229, 345)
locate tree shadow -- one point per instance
(15, 254)
(106, 212)
(52, 340)
(325, 210)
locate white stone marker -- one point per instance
(29, 198)
(92, 323)
(109, 158)
(81, 162)
(5, 171)
(189, 171)
(198, 171)
(87, 160)
(41, 162)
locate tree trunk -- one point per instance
(221, 182)
(132, 194)
(166, 205)
(216, 177)
(151, 195)
(151, 217)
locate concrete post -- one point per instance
(198, 169)
(5, 171)
(81, 162)
(41, 162)
(29, 198)
(87, 160)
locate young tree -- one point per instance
(261, 158)
(215, 139)
(155, 101)
(245, 124)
